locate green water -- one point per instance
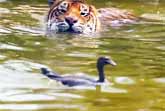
(137, 82)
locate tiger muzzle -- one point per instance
(71, 20)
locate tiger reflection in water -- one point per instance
(79, 17)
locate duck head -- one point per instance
(104, 61)
(101, 62)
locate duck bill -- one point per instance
(112, 62)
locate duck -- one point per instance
(73, 80)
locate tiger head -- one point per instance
(72, 16)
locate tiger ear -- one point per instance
(93, 9)
(82, 1)
(50, 2)
(53, 2)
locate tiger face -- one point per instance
(72, 16)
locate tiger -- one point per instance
(79, 17)
(72, 16)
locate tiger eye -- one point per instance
(62, 10)
(84, 14)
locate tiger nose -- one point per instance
(71, 20)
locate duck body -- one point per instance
(69, 80)
(73, 80)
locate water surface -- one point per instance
(136, 84)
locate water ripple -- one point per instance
(78, 54)
(4, 30)
(124, 80)
(31, 107)
(161, 47)
(11, 47)
(66, 95)
(4, 10)
(17, 74)
(26, 97)
(2, 57)
(29, 30)
(159, 80)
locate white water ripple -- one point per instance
(11, 47)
